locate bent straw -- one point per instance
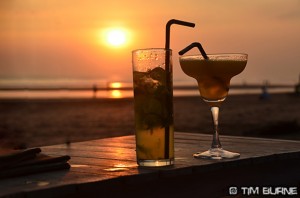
(168, 27)
(192, 45)
(168, 77)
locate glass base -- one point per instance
(216, 153)
(155, 163)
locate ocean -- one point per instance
(116, 90)
(95, 88)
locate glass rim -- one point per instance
(151, 49)
(215, 54)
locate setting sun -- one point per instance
(116, 37)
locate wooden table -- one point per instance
(107, 168)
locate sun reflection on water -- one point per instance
(116, 94)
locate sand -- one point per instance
(30, 123)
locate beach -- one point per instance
(39, 122)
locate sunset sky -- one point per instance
(69, 39)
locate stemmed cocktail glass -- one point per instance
(213, 73)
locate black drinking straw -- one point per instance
(192, 45)
(168, 27)
(168, 78)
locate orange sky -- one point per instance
(55, 39)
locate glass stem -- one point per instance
(215, 117)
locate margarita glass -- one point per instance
(213, 75)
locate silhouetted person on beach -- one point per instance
(297, 88)
(95, 89)
(265, 94)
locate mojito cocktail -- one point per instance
(153, 108)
